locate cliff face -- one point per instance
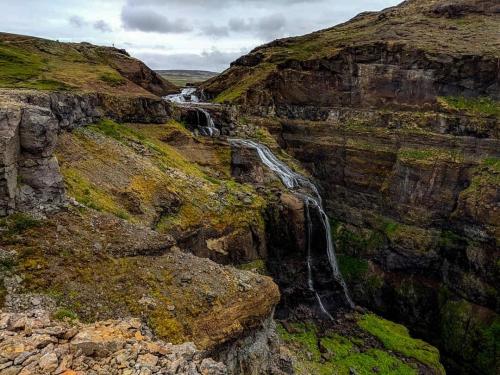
(396, 114)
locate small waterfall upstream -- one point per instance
(308, 192)
(185, 96)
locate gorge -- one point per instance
(327, 205)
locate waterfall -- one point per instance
(309, 193)
(185, 96)
(209, 130)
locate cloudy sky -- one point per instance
(178, 34)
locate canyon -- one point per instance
(256, 224)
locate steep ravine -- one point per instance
(400, 129)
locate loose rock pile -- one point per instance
(32, 343)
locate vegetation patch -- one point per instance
(18, 223)
(65, 314)
(465, 335)
(251, 78)
(112, 78)
(430, 155)
(396, 337)
(89, 194)
(352, 268)
(492, 164)
(478, 106)
(162, 188)
(337, 354)
(258, 266)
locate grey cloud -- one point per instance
(213, 30)
(268, 27)
(147, 20)
(102, 26)
(77, 21)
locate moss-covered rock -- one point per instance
(375, 348)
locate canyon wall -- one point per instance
(400, 127)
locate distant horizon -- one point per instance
(175, 34)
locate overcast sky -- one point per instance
(178, 34)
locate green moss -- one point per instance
(18, 66)
(352, 268)
(258, 266)
(426, 155)
(65, 314)
(396, 337)
(23, 69)
(492, 163)
(390, 228)
(351, 243)
(251, 78)
(89, 194)
(342, 354)
(478, 106)
(112, 78)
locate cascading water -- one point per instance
(185, 96)
(303, 187)
(210, 129)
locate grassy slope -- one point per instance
(409, 24)
(33, 63)
(129, 171)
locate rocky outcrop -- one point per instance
(30, 123)
(33, 343)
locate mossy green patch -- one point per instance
(352, 268)
(478, 106)
(251, 78)
(337, 354)
(112, 78)
(89, 194)
(492, 163)
(65, 314)
(430, 155)
(258, 266)
(160, 174)
(396, 337)
(354, 244)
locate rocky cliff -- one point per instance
(396, 114)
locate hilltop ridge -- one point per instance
(35, 63)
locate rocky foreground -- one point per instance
(34, 344)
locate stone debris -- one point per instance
(33, 344)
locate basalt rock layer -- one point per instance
(30, 122)
(400, 127)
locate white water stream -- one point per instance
(185, 96)
(305, 189)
